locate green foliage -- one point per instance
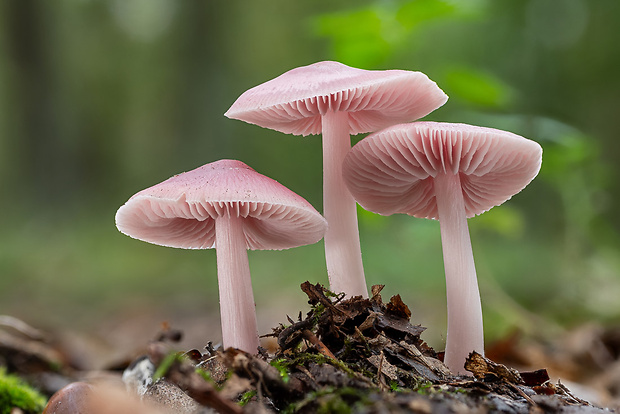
(14, 392)
(476, 87)
(357, 36)
(506, 221)
(165, 365)
(416, 12)
(368, 36)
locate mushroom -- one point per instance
(337, 100)
(448, 172)
(72, 398)
(228, 206)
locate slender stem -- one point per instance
(237, 308)
(465, 331)
(343, 254)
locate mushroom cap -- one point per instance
(181, 211)
(392, 171)
(294, 102)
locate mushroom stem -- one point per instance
(237, 308)
(343, 253)
(465, 331)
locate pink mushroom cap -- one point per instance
(181, 211)
(392, 171)
(294, 102)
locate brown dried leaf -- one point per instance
(316, 295)
(387, 369)
(483, 367)
(376, 294)
(388, 323)
(397, 307)
(534, 378)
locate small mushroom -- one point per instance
(448, 172)
(100, 398)
(337, 100)
(228, 206)
(72, 398)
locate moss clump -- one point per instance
(283, 368)
(16, 393)
(331, 400)
(247, 397)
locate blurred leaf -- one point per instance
(505, 220)
(477, 88)
(356, 36)
(415, 12)
(371, 220)
(568, 154)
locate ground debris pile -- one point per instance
(352, 355)
(359, 355)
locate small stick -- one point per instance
(320, 346)
(523, 394)
(296, 326)
(382, 383)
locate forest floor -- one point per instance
(344, 356)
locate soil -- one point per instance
(344, 356)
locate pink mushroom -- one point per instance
(447, 172)
(228, 206)
(337, 100)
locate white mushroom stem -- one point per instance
(343, 254)
(237, 308)
(465, 331)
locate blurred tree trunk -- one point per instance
(203, 56)
(34, 130)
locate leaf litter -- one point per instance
(354, 355)
(362, 355)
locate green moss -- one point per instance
(283, 368)
(424, 388)
(14, 392)
(394, 387)
(331, 400)
(428, 388)
(247, 397)
(307, 357)
(317, 311)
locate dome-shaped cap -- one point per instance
(392, 171)
(294, 101)
(181, 211)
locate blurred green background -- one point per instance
(100, 99)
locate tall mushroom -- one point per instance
(228, 206)
(448, 172)
(337, 100)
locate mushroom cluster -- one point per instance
(442, 171)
